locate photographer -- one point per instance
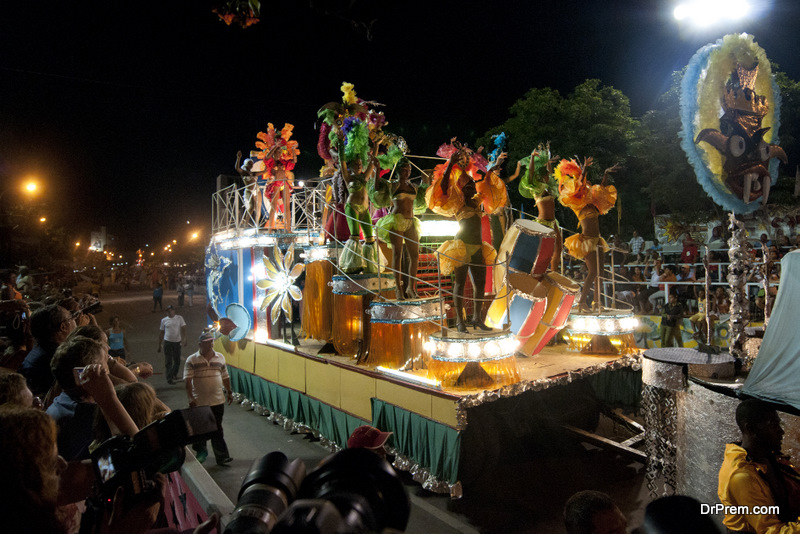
(37, 480)
(81, 369)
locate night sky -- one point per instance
(129, 110)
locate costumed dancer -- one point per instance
(493, 190)
(453, 193)
(539, 184)
(400, 229)
(254, 181)
(279, 154)
(354, 137)
(588, 202)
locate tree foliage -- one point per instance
(655, 178)
(594, 120)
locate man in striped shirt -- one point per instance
(206, 375)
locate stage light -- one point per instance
(709, 12)
(408, 377)
(438, 228)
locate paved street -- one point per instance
(526, 495)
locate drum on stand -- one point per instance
(399, 331)
(561, 294)
(521, 303)
(317, 316)
(352, 296)
(526, 248)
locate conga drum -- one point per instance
(317, 317)
(521, 302)
(526, 248)
(400, 330)
(352, 296)
(561, 294)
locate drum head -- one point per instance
(530, 226)
(568, 285)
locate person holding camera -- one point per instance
(80, 366)
(206, 375)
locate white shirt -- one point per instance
(171, 326)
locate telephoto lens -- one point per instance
(358, 484)
(267, 490)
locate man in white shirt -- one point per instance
(636, 243)
(206, 375)
(172, 335)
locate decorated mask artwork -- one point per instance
(730, 118)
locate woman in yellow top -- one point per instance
(588, 202)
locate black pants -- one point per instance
(172, 358)
(218, 444)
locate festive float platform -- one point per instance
(439, 435)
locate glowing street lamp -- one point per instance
(705, 13)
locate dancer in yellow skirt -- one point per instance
(453, 193)
(588, 202)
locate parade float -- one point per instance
(414, 324)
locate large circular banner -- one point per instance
(730, 116)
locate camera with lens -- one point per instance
(132, 462)
(93, 308)
(353, 490)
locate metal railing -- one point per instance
(234, 210)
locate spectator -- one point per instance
(722, 304)
(117, 341)
(24, 281)
(780, 239)
(172, 335)
(36, 479)
(190, 289)
(141, 403)
(30, 471)
(50, 326)
(370, 438)
(754, 473)
(716, 234)
(206, 375)
(671, 319)
(84, 391)
(689, 252)
(117, 370)
(636, 243)
(9, 289)
(686, 274)
(667, 275)
(618, 253)
(591, 512)
(698, 320)
(14, 391)
(181, 292)
(158, 295)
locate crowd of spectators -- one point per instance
(63, 392)
(643, 276)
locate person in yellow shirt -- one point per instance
(754, 475)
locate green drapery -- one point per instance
(335, 425)
(432, 445)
